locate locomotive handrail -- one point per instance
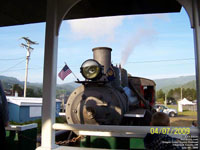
(119, 131)
(147, 105)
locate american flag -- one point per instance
(64, 72)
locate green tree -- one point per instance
(60, 92)
(39, 93)
(170, 97)
(18, 89)
(160, 96)
(177, 94)
(30, 92)
(190, 94)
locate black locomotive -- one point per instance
(109, 95)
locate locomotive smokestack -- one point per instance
(103, 56)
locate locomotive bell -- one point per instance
(103, 56)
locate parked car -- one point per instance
(169, 111)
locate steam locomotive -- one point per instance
(109, 95)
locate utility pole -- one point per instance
(29, 50)
(181, 93)
(166, 99)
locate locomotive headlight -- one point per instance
(91, 69)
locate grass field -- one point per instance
(188, 113)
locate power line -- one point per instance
(166, 60)
(12, 66)
(39, 68)
(12, 58)
(153, 61)
(14, 70)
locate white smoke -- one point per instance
(95, 28)
(104, 28)
(142, 36)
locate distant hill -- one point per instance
(164, 84)
(9, 81)
(191, 85)
(69, 87)
(70, 84)
(171, 83)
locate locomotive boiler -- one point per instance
(109, 95)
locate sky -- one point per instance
(152, 46)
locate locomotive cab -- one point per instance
(146, 89)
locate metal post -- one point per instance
(196, 20)
(181, 93)
(50, 76)
(192, 7)
(56, 10)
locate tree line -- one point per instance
(37, 92)
(173, 95)
(29, 91)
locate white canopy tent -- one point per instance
(184, 102)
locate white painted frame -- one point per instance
(56, 10)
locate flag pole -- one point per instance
(73, 73)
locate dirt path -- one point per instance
(182, 121)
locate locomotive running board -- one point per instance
(138, 113)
